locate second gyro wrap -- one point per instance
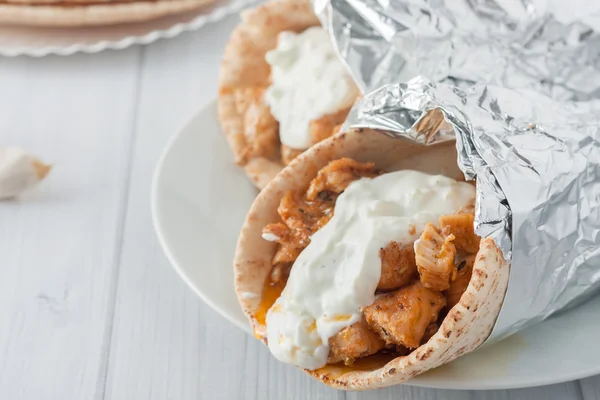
(537, 166)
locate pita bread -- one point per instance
(109, 13)
(66, 2)
(467, 325)
(244, 66)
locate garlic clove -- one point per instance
(19, 171)
(41, 169)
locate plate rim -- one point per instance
(502, 385)
(158, 229)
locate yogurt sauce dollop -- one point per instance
(308, 82)
(338, 272)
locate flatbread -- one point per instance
(467, 325)
(244, 66)
(74, 15)
(68, 2)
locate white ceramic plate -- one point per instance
(199, 201)
(39, 41)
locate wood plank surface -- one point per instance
(58, 243)
(89, 306)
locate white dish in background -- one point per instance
(41, 41)
(199, 201)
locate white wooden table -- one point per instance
(89, 307)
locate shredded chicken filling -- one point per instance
(419, 281)
(261, 130)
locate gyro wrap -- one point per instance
(494, 92)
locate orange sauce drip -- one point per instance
(370, 363)
(271, 292)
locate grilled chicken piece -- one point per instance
(277, 232)
(461, 226)
(261, 130)
(303, 218)
(429, 332)
(282, 262)
(434, 255)
(286, 254)
(280, 272)
(401, 317)
(398, 266)
(337, 175)
(353, 342)
(328, 125)
(460, 284)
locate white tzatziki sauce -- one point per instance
(308, 81)
(338, 272)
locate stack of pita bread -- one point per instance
(72, 13)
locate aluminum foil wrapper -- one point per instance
(547, 45)
(537, 166)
